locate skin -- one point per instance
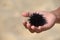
(51, 18)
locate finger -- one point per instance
(39, 29)
(32, 29)
(26, 14)
(24, 23)
(28, 25)
(46, 27)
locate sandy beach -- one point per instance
(11, 27)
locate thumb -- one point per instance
(26, 14)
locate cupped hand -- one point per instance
(50, 18)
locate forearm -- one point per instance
(57, 14)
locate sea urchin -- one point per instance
(37, 20)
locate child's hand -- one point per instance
(51, 18)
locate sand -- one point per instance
(11, 27)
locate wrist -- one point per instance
(54, 13)
(57, 15)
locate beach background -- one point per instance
(11, 27)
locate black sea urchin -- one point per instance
(37, 20)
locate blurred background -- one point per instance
(11, 27)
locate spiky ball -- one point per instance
(37, 20)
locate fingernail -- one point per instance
(39, 27)
(32, 27)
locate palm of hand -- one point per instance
(50, 18)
